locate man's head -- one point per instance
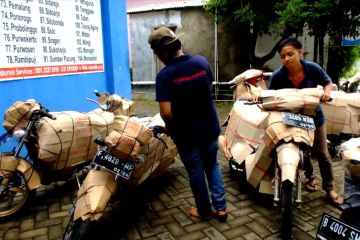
(290, 52)
(164, 43)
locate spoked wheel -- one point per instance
(13, 196)
(79, 229)
(286, 201)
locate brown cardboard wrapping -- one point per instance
(246, 123)
(132, 128)
(167, 159)
(155, 157)
(334, 118)
(240, 149)
(94, 194)
(352, 168)
(350, 155)
(248, 75)
(257, 164)
(223, 147)
(8, 164)
(69, 140)
(294, 100)
(288, 160)
(276, 130)
(266, 183)
(352, 122)
(122, 146)
(19, 114)
(120, 105)
(245, 90)
(342, 113)
(148, 160)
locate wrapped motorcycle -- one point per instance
(135, 151)
(268, 142)
(49, 146)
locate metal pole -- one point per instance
(216, 57)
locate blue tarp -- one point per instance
(350, 42)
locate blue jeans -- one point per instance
(203, 169)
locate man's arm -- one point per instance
(326, 95)
(165, 113)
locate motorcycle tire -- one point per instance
(286, 204)
(79, 229)
(14, 197)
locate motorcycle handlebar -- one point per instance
(96, 92)
(267, 74)
(43, 112)
(47, 114)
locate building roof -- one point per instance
(149, 6)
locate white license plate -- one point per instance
(298, 120)
(120, 167)
(331, 228)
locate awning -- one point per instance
(350, 42)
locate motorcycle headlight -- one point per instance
(18, 134)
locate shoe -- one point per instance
(193, 212)
(221, 215)
(311, 186)
(334, 199)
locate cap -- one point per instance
(161, 37)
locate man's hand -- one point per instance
(254, 98)
(325, 97)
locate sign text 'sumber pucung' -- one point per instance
(50, 37)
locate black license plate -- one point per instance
(331, 228)
(120, 167)
(298, 120)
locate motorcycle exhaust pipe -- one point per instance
(277, 186)
(298, 181)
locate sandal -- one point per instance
(193, 212)
(221, 215)
(334, 200)
(311, 186)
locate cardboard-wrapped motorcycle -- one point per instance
(271, 139)
(43, 147)
(269, 145)
(136, 150)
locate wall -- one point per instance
(198, 38)
(69, 92)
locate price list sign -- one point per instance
(50, 37)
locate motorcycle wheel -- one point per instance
(77, 230)
(14, 196)
(286, 201)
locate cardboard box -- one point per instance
(246, 123)
(132, 128)
(257, 164)
(122, 146)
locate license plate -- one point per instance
(120, 167)
(298, 120)
(332, 228)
